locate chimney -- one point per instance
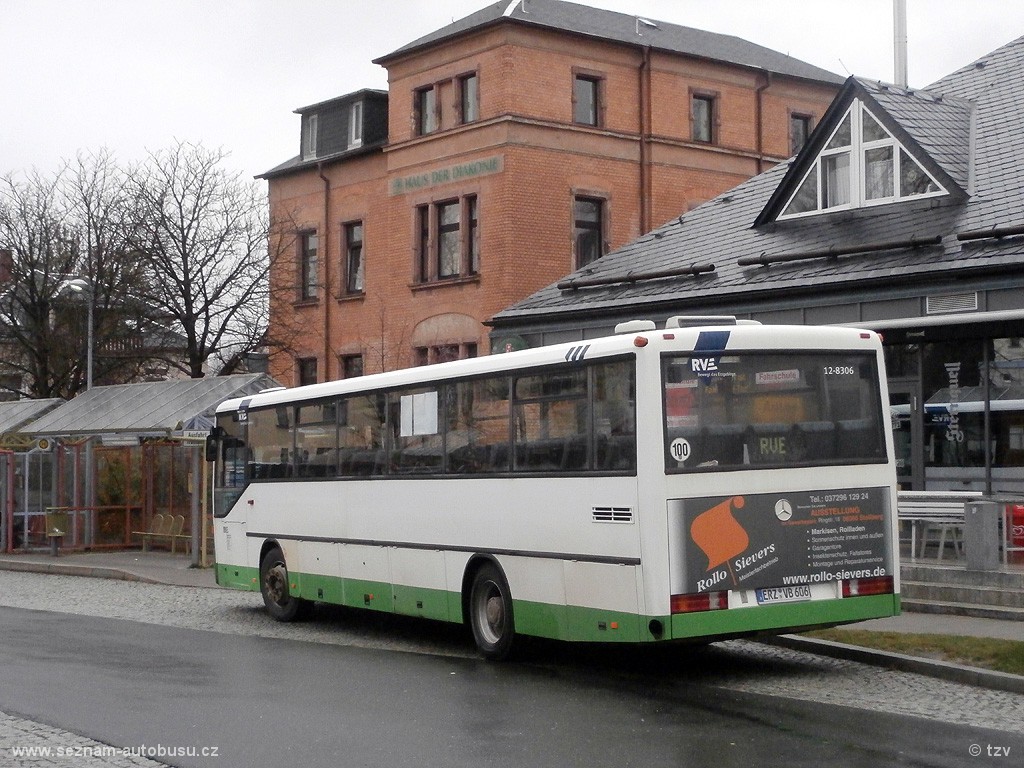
(899, 24)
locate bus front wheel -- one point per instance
(275, 588)
(490, 613)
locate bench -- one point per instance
(166, 528)
(934, 512)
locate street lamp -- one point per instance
(83, 286)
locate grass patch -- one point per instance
(987, 653)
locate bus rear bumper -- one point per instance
(777, 619)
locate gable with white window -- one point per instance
(861, 165)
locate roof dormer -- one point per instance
(343, 124)
(871, 149)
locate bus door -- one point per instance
(908, 433)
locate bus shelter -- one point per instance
(24, 462)
(111, 462)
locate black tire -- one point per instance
(490, 613)
(275, 588)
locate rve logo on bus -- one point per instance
(704, 365)
(708, 341)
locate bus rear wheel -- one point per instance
(490, 613)
(276, 592)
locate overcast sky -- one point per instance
(137, 75)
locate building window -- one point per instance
(309, 134)
(426, 111)
(308, 244)
(862, 164)
(702, 117)
(799, 129)
(351, 366)
(354, 265)
(588, 223)
(448, 239)
(355, 124)
(473, 235)
(423, 243)
(443, 353)
(586, 100)
(307, 371)
(469, 98)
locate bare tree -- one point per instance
(98, 199)
(203, 235)
(36, 360)
(57, 232)
(386, 342)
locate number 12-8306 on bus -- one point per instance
(685, 483)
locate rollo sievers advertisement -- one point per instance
(775, 539)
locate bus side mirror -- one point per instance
(212, 442)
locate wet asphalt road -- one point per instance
(263, 701)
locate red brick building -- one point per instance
(512, 147)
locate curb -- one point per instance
(942, 670)
(95, 572)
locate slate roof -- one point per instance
(368, 146)
(967, 123)
(589, 22)
(623, 28)
(156, 408)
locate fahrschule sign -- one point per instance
(450, 173)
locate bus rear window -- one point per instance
(768, 409)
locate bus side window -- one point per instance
(477, 418)
(614, 398)
(552, 410)
(270, 434)
(316, 441)
(416, 431)
(360, 436)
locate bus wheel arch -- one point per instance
(275, 586)
(487, 607)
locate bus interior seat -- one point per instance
(723, 444)
(812, 440)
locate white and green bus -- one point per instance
(688, 483)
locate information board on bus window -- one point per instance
(755, 541)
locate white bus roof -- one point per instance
(741, 336)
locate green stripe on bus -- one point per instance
(576, 623)
(238, 577)
(570, 622)
(376, 596)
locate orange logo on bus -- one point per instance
(719, 533)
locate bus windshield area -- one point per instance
(771, 409)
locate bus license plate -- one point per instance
(793, 594)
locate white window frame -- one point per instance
(355, 124)
(857, 150)
(309, 136)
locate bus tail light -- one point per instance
(878, 585)
(704, 601)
